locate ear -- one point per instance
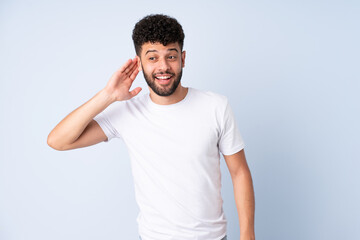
(139, 63)
(183, 54)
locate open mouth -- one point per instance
(163, 79)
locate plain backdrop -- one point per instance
(290, 70)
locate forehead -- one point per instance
(159, 48)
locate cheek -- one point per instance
(145, 68)
(176, 67)
(148, 71)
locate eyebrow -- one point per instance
(170, 49)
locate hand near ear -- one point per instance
(120, 82)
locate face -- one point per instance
(162, 67)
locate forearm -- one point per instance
(245, 203)
(71, 127)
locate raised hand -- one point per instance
(120, 82)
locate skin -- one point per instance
(78, 129)
(159, 60)
(243, 193)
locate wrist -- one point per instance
(106, 96)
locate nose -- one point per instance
(163, 64)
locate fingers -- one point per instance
(134, 74)
(135, 92)
(125, 66)
(129, 70)
(133, 66)
(133, 70)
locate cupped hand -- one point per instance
(120, 82)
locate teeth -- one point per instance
(163, 77)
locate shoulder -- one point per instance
(129, 104)
(135, 102)
(138, 98)
(210, 97)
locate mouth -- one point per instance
(163, 79)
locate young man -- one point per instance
(174, 136)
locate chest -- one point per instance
(193, 132)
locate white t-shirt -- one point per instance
(175, 161)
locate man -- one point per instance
(174, 136)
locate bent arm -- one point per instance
(243, 193)
(78, 129)
(79, 125)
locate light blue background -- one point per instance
(289, 68)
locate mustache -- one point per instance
(166, 72)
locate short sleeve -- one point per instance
(105, 122)
(230, 140)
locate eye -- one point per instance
(151, 58)
(172, 57)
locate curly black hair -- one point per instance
(157, 28)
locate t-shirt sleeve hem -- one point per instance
(102, 124)
(234, 150)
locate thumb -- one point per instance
(135, 92)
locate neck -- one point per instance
(177, 96)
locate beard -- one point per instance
(163, 90)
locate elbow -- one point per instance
(241, 173)
(51, 143)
